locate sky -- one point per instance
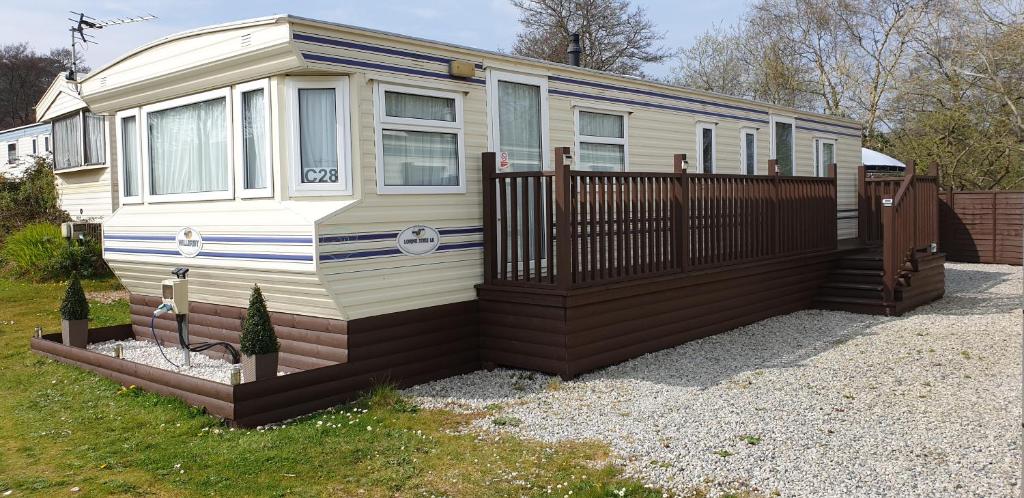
(485, 24)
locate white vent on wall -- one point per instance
(246, 40)
(103, 82)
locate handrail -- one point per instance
(897, 247)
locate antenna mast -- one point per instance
(79, 34)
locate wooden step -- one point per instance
(849, 300)
(860, 263)
(853, 286)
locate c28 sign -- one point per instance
(320, 175)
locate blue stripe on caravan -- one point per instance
(641, 103)
(649, 93)
(394, 251)
(231, 255)
(385, 67)
(809, 120)
(461, 231)
(258, 240)
(372, 236)
(807, 128)
(336, 42)
(146, 238)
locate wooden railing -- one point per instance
(908, 220)
(568, 229)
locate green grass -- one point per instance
(63, 427)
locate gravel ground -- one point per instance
(146, 352)
(812, 403)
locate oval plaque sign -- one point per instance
(418, 240)
(189, 242)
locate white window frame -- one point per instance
(46, 143)
(224, 93)
(34, 146)
(381, 120)
(493, 77)
(125, 199)
(9, 160)
(106, 139)
(239, 156)
(746, 130)
(818, 153)
(701, 126)
(775, 118)
(589, 139)
(344, 185)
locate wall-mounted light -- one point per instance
(461, 69)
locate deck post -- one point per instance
(681, 212)
(862, 210)
(889, 265)
(489, 163)
(563, 238)
(773, 172)
(834, 198)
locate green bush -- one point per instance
(31, 199)
(258, 336)
(74, 306)
(39, 252)
(31, 251)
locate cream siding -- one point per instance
(354, 269)
(90, 193)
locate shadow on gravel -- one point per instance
(969, 292)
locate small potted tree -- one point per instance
(74, 314)
(259, 342)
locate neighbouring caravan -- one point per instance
(21, 146)
(362, 179)
(83, 158)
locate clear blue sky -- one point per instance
(486, 24)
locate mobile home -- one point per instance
(82, 155)
(402, 205)
(22, 145)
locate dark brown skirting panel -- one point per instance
(403, 349)
(571, 332)
(306, 342)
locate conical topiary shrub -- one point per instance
(74, 314)
(259, 342)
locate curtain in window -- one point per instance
(593, 124)
(707, 150)
(420, 158)
(254, 139)
(601, 157)
(318, 135)
(784, 148)
(519, 125)
(129, 156)
(829, 153)
(750, 162)
(188, 148)
(405, 105)
(67, 144)
(12, 153)
(95, 143)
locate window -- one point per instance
(824, 154)
(67, 142)
(601, 140)
(12, 153)
(320, 137)
(419, 141)
(130, 155)
(186, 153)
(519, 119)
(46, 144)
(94, 139)
(34, 151)
(748, 151)
(782, 139)
(706, 148)
(252, 139)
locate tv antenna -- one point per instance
(80, 35)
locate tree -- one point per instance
(615, 36)
(258, 335)
(24, 77)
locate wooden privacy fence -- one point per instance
(982, 226)
(625, 225)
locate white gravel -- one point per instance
(146, 352)
(812, 403)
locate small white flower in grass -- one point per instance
(369, 428)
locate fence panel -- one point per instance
(982, 226)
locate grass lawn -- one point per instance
(61, 428)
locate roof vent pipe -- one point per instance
(574, 50)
